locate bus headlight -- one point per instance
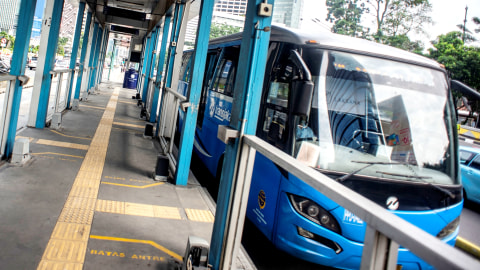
(449, 229)
(314, 212)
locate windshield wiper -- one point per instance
(405, 175)
(369, 163)
(450, 194)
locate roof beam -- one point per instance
(143, 25)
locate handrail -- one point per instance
(7, 77)
(419, 242)
(55, 71)
(176, 94)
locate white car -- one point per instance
(32, 62)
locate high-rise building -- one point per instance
(235, 7)
(69, 16)
(232, 12)
(288, 12)
(37, 19)
(9, 17)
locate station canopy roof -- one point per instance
(135, 17)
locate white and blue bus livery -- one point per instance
(377, 119)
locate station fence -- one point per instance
(7, 86)
(59, 90)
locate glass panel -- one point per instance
(392, 115)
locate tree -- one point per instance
(476, 21)
(468, 35)
(62, 41)
(398, 17)
(345, 14)
(404, 42)
(462, 62)
(10, 39)
(222, 29)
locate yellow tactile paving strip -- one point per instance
(138, 209)
(67, 246)
(63, 144)
(199, 215)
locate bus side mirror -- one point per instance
(301, 97)
(464, 89)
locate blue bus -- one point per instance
(377, 119)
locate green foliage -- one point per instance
(220, 30)
(397, 18)
(34, 49)
(10, 39)
(62, 41)
(345, 14)
(60, 50)
(462, 62)
(404, 42)
(467, 35)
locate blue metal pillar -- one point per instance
(100, 56)
(146, 64)
(198, 69)
(142, 65)
(76, 43)
(141, 72)
(177, 20)
(92, 56)
(150, 58)
(82, 56)
(103, 55)
(96, 54)
(161, 63)
(19, 57)
(246, 105)
(53, 27)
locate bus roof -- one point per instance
(328, 40)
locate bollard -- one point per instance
(196, 254)
(75, 104)
(56, 120)
(21, 151)
(85, 96)
(148, 133)
(161, 170)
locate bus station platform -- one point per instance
(87, 199)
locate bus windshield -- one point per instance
(382, 118)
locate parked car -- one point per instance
(4, 65)
(470, 172)
(32, 62)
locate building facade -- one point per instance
(288, 12)
(9, 17)
(234, 7)
(232, 12)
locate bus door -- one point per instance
(273, 128)
(216, 107)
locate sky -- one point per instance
(446, 14)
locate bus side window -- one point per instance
(185, 69)
(275, 124)
(225, 78)
(207, 79)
